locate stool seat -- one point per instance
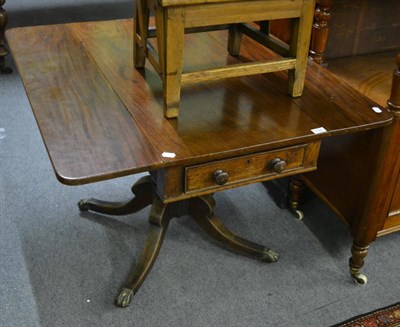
(174, 18)
(166, 3)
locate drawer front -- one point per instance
(246, 169)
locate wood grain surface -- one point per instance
(370, 74)
(88, 133)
(100, 118)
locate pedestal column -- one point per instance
(320, 30)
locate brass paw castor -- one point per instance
(124, 298)
(269, 256)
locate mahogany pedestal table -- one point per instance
(101, 119)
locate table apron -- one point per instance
(182, 182)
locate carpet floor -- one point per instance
(384, 317)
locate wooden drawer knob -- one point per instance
(221, 177)
(278, 165)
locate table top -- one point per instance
(100, 118)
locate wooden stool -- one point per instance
(174, 18)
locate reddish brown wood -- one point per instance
(281, 29)
(200, 208)
(241, 116)
(363, 27)
(363, 193)
(322, 15)
(240, 170)
(143, 190)
(356, 261)
(296, 189)
(354, 28)
(87, 131)
(320, 30)
(394, 100)
(377, 202)
(386, 165)
(204, 106)
(370, 74)
(100, 119)
(392, 222)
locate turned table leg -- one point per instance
(320, 30)
(296, 190)
(356, 262)
(200, 208)
(3, 49)
(377, 203)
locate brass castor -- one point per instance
(269, 256)
(124, 298)
(359, 279)
(298, 214)
(83, 205)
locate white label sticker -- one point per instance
(168, 155)
(377, 110)
(319, 130)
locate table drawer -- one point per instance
(246, 169)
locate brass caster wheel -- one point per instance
(269, 256)
(83, 205)
(124, 298)
(298, 214)
(360, 279)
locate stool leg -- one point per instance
(170, 23)
(264, 27)
(159, 17)
(234, 40)
(140, 29)
(301, 36)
